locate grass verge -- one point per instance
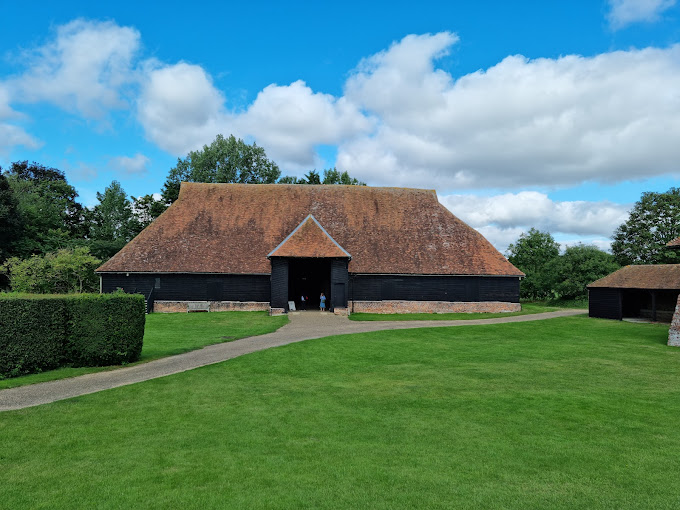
(527, 309)
(166, 334)
(564, 413)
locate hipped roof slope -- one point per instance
(659, 276)
(231, 228)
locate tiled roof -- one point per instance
(231, 228)
(309, 239)
(660, 276)
(675, 243)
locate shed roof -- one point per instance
(659, 277)
(231, 228)
(675, 243)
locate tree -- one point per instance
(224, 160)
(653, 222)
(47, 208)
(10, 220)
(64, 271)
(531, 254)
(577, 267)
(112, 221)
(147, 208)
(330, 176)
(333, 176)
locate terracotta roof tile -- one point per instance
(659, 276)
(230, 228)
(675, 243)
(309, 239)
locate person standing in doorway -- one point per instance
(322, 302)
(302, 303)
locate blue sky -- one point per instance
(554, 115)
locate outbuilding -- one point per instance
(264, 246)
(645, 291)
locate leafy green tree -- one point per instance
(330, 176)
(653, 222)
(10, 220)
(64, 271)
(147, 208)
(333, 176)
(47, 208)
(532, 254)
(577, 267)
(112, 221)
(224, 160)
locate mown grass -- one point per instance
(565, 413)
(166, 334)
(527, 308)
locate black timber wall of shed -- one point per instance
(191, 287)
(605, 303)
(433, 288)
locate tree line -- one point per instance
(653, 221)
(51, 243)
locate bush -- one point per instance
(105, 329)
(32, 332)
(44, 332)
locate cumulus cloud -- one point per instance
(502, 218)
(12, 135)
(135, 165)
(625, 12)
(610, 117)
(82, 69)
(180, 108)
(290, 120)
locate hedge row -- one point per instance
(42, 332)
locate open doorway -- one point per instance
(309, 277)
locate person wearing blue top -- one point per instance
(322, 303)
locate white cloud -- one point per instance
(12, 135)
(610, 117)
(82, 69)
(134, 165)
(502, 218)
(290, 120)
(625, 12)
(180, 108)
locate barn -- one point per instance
(645, 291)
(263, 246)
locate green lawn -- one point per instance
(166, 334)
(565, 413)
(527, 308)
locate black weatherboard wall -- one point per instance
(190, 287)
(366, 287)
(605, 303)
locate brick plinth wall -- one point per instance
(277, 311)
(432, 307)
(215, 306)
(341, 311)
(674, 331)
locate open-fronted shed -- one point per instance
(649, 291)
(265, 245)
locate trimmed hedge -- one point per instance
(42, 332)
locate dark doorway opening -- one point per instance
(657, 305)
(309, 277)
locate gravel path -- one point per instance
(302, 326)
